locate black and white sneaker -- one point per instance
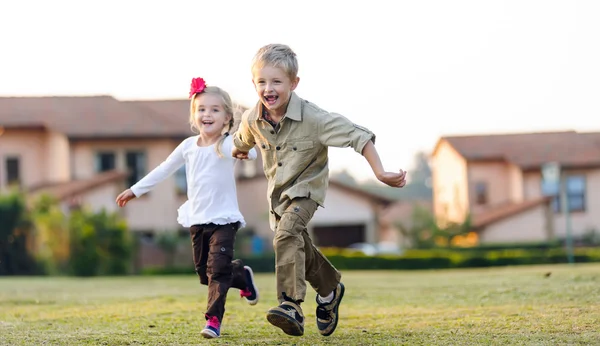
(327, 313)
(287, 316)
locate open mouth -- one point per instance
(207, 122)
(271, 99)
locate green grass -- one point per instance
(497, 306)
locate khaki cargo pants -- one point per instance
(297, 260)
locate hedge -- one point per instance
(422, 259)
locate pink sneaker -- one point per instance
(212, 329)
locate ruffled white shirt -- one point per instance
(211, 186)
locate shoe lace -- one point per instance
(245, 293)
(213, 321)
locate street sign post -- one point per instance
(551, 175)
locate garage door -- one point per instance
(339, 236)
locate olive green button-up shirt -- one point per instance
(294, 152)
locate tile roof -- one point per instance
(97, 116)
(531, 150)
(73, 188)
(505, 211)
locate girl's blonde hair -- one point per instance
(228, 107)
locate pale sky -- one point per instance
(410, 71)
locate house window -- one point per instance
(481, 195)
(181, 181)
(135, 162)
(105, 161)
(13, 171)
(575, 191)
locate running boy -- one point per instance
(293, 136)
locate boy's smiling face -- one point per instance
(274, 88)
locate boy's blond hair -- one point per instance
(228, 107)
(276, 55)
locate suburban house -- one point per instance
(85, 150)
(497, 180)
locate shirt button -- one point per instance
(294, 148)
(278, 147)
(272, 212)
(264, 146)
(272, 132)
(279, 164)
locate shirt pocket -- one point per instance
(301, 145)
(301, 153)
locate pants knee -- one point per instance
(220, 265)
(202, 275)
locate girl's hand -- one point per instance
(125, 197)
(238, 154)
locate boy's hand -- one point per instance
(238, 154)
(393, 179)
(125, 197)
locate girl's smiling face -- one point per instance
(211, 116)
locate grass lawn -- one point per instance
(497, 306)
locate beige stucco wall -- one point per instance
(98, 198)
(56, 156)
(530, 225)
(504, 183)
(581, 221)
(495, 175)
(30, 147)
(155, 211)
(450, 187)
(516, 188)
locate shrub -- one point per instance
(16, 235)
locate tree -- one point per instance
(51, 243)
(424, 232)
(16, 234)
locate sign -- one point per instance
(551, 172)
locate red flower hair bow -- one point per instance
(198, 86)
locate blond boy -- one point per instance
(293, 136)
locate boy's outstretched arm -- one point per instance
(392, 179)
(337, 131)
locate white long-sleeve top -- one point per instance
(211, 186)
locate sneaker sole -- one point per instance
(255, 301)
(209, 334)
(289, 325)
(336, 311)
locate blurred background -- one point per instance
(492, 107)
